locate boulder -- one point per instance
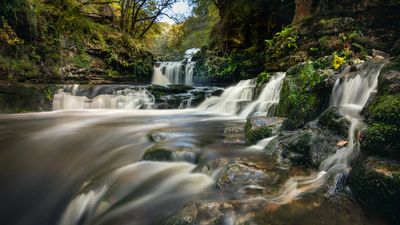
(334, 121)
(258, 128)
(309, 146)
(376, 183)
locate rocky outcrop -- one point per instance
(17, 98)
(247, 23)
(309, 146)
(376, 183)
(375, 177)
(305, 91)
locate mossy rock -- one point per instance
(304, 93)
(334, 121)
(384, 109)
(17, 97)
(307, 147)
(258, 128)
(381, 139)
(376, 183)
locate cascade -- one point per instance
(268, 98)
(127, 98)
(350, 96)
(238, 99)
(232, 100)
(180, 72)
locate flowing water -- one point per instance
(180, 72)
(350, 96)
(84, 166)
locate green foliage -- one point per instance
(286, 38)
(82, 60)
(262, 78)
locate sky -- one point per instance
(181, 7)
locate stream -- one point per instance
(83, 163)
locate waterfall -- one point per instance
(238, 99)
(268, 98)
(350, 96)
(180, 72)
(128, 98)
(232, 100)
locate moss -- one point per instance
(302, 96)
(253, 135)
(385, 109)
(381, 139)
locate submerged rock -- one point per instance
(376, 183)
(171, 153)
(258, 128)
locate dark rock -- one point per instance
(17, 97)
(171, 153)
(334, 121)
(288, 125)
(309, 146)
(376, 183)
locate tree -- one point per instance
(138, 16)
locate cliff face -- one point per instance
(247, 23)
(67, 42)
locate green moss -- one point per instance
(262, 78)
(381, 139)
(253, 135)
(386, 109)
(301, 97)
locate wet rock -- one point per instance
(334, 121)
(309, 146)
(171, 153)
(376, 183)
(241, 179)
(258, 128)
